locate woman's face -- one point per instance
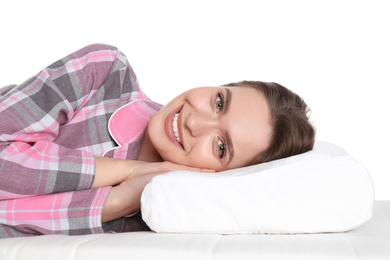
(216, 128)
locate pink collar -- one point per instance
(128, 123)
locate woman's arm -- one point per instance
(125, 199)
(33, 163)
(110, 172)
(132, 177)
(34, 113)
(66, 213)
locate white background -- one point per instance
(335, 54)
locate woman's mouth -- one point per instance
(172, 127)
(175, 129)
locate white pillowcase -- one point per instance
(324, 190)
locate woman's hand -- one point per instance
(125, 199)
(110, 172)
(143, 168)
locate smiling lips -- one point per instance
(172, 127)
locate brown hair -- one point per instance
(292, 132)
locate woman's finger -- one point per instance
(176, 167)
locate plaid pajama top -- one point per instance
(51, 128)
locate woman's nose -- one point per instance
(199, 123)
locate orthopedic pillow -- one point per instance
(324, 190)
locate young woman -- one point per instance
(80, 140)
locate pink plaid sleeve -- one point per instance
(68, 213)
(45, 172)
(33, 115)
(43, 168)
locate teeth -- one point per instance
(175, 129)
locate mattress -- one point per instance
(369, 241)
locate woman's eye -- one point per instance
(221, 148)
(219, 102)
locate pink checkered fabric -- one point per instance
(51, 128)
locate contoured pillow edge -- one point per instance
(324, 190)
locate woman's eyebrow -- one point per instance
(230, 147)
(228, 100)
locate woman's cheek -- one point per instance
(202, 159)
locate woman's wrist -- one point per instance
(110, 172)
(125, 199)
(115, 207)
